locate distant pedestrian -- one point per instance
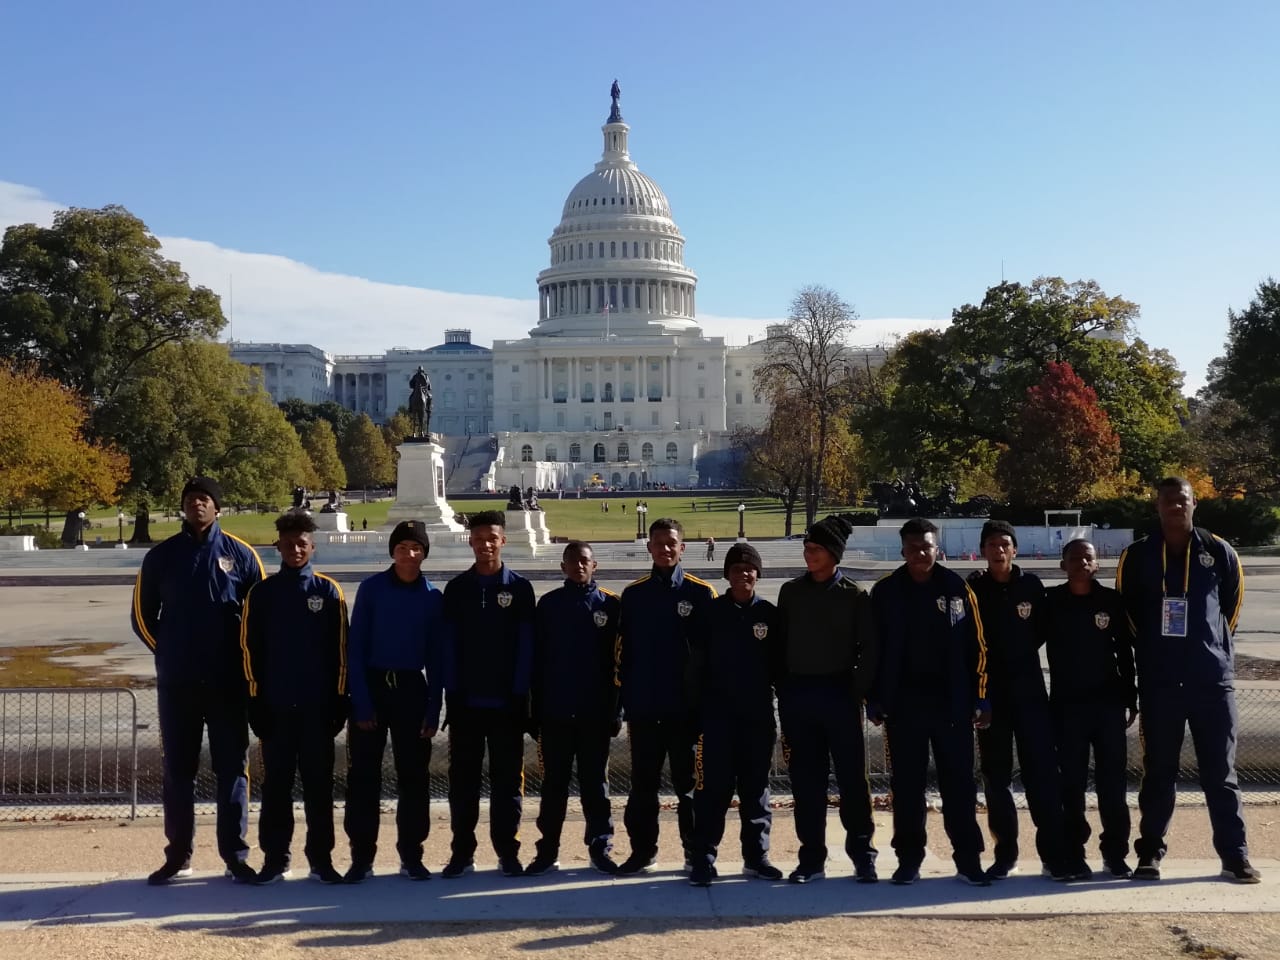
(364, 524)
(711, 548)
(694, 505)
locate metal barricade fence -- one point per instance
(95, 752)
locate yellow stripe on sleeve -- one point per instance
(244, 645)
(982, 643)
(147, 637)
(342, 638)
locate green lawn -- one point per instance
(581, 519)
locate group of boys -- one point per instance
(926, 654)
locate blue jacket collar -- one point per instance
(215, 530)
(677, 575)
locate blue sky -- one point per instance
(897, 152)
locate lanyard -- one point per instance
(1164, 569)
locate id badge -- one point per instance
(1173, 617)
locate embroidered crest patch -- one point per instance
(684, 608)
(315, 604)
(504, 598)
(957, 608)
(1206, 559)
(1024, 609)
(942, 604)
(600, 618)
(226, 564)
(760, 630)
(1102, 620)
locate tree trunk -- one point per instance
(72, 527)
(142, 524)
(789, 508)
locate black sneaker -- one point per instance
(241, 872)
(1119, 869)
(701, 874)
(1056, 871)
(272, 873)
(542, 863)
(1148, 869)
(864, 870)
(763, 869)
(358, 873)
(636, 863)
(168, 873)
(971, 872)
(803, 874)
(1079, 870)
(511, 866)
(415, 871)
(905, 875)
(598, 853)
(1002, 870)
(324, 873)
(456, 867)
(1242, 872)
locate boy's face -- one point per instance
(1176, 506)
(487, 541)
(817, 558)
(579, 567)
(999, 550)
(1080, 563)
(742, 581)
(296, 549)
(920, 550)
(665, 547)
(407, 558)
(199, 509)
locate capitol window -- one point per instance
(672, 453)
(598, 453)
(550, 453)
(646, 451)
(624, 451)
(575, 452)
(737, 398)
(526, 454)
(613, 248)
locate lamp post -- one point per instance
(742, 510)
(80, 544)
(120, 544)
(641, 510)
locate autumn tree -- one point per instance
(806, 364)
(1063, 445)
(364, 454)
(321, 444)
(394, 432)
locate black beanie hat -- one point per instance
(997, 528)
(742, 553)
(831, 533)
(204, 485)
(414, 530)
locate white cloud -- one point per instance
(276, 299)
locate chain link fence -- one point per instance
(88, 753)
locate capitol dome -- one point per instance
(617, 257)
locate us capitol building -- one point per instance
(615, 381)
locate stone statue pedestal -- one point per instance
(420, 490)
(335, 522)
(527, 528)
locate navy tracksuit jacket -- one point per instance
(293, 637)
(575, 706)
(1011, 613)
(1186, 680)
(932, 676)
(187, 602)
(733, 662)
(1091, 684)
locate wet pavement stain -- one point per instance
(54, 665)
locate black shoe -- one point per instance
(272, 873)
(168, 873)
(1119, 869)
(542, 863)
(1002, 870)
(636, 863)
(1148, 869)
(864, 870)
(598, 853)
(511, 866)
(803, 874)
(457, 866)
(1058, 872)
(763, 869)
(971, 872)
(241, 872)
(358, 873)
(1242, 872)
(905, 875)
(324, 873)
(1079, 870)
(701, 874)
(415, 871)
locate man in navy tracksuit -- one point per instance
(1183, 589)
(186, 607)
(1094, 699)
(733, 661)
(930, 691)
(395, 648)
(488, 668)
(828, 662)
(658, 611)
(294, 639)
(575, 706)
(1011, 602)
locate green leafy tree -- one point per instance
(1064, 448)
(365, 456)
(321, 445)
(393, 433)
